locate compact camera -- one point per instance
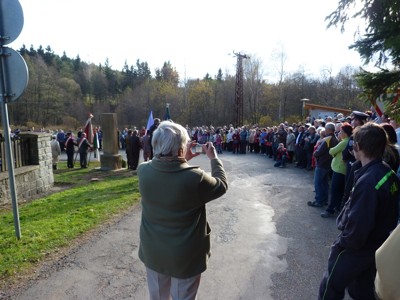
(197, 149)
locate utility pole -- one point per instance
(239, 89)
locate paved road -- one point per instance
(266, 243)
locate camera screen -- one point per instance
(197, 149)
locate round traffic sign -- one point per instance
(16, 72)
(11, 21)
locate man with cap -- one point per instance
(358, 118)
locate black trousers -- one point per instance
(70, 159)
(354, 270)
(83, 159)
(135, 160)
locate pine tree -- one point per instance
(380, 44)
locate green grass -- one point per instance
(54, 221)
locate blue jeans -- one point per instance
(281, 162)
(337, 189)
(321, 185)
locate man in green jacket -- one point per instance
(174, 233)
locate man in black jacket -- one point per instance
(135, 147)
(83, 148)
(151, 131)
(70, 144)
(300, 154)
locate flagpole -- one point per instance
(167, 115)
(76, 155)
(90, 154)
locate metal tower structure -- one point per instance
(239, 89)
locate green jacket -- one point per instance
(174, 233)
(338, 165)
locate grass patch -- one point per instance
(54, 221)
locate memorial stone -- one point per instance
(110, 159)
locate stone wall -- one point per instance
(33, 179)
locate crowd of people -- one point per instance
(72, 146)
(355, 161)
(321, 145)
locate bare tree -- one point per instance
(253, 73)
(279, 56)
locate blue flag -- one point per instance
(150, 121)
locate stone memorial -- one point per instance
(110, 159)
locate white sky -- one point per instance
(195, 36)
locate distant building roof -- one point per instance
(327, 108)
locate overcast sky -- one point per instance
(197, 37)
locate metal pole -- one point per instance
(303, 108)
(90, 154)
(9, 156)
(239, 89)
(76, 155)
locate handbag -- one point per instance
(387, 259)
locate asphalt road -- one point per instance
(266, 243)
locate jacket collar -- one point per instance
(363, 169)
(170, 165)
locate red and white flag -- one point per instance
(89, 129)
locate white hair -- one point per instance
(330, 126)
(168, 138)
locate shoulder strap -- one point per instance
(383, 179)
(328, 141)
(80, 143)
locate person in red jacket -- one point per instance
(236, 141)
(282, 156)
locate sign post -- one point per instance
(13, 82)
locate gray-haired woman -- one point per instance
(174, 233)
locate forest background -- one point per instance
(62, 91)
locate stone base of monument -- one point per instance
(110, 162)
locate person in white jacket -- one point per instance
(55, 151)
